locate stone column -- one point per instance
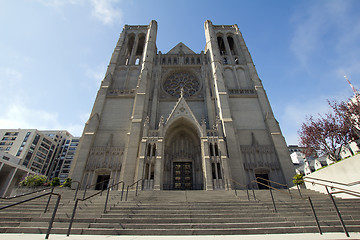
(206, 165)
(158, 163)
(8, 181)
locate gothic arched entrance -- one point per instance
(182, 158)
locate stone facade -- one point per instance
(182, 120)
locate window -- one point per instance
(47, 141)
(6, 158)
(221, 45)
(231, 45)
(211, 149)
(140, 46)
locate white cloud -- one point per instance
(18, 115)
(328, 30)
(105, 11)
(60, 3)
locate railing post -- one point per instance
(107, 195)
(316, 219)
(297, 185)
(337, 212)
(86, 186)
(247, 192)
(127, 191)
(272, 198)
(289, 191)
(53, 217)
(77, 189)
(122, 191)
(137, 183)
(48, 202)
(72, 217)
(227, 184)
(252, 188)
(235, 191)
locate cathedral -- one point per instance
(181, 120)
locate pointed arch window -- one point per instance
(221, 45)
(140, 46)
(232, 45)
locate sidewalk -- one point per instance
(307, 236)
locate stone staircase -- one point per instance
(185, 213)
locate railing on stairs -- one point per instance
(36, 197)
(330, 194)
(109, 187)
(276, 183)
(289, 193)
(271, 194)
(241, 186)
(131, 185)
(87, 187)
(329, 183)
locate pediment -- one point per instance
(181, 48)
(182, 109)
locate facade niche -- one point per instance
(221, 45)
(140, 47)
(231, 45)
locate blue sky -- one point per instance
(54, 53)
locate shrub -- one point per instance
(298, 179)
(55, 182)
(34, 181)
(67, 182)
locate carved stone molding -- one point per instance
(105, 157)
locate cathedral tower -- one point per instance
(181, 120)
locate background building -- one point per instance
(11, 173)
(47, 152)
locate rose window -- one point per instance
(181, 82)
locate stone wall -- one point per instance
(346, 172)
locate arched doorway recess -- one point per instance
(183, 168)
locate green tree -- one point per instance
(67, 182)
(55, 182)
(298, 179)
(34, 181)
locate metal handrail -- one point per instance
(77, 188)
(242, 185)
(330, 194)
(281, 191)
(285, 185)
(268, 180)
(344, 184)
(127, 189)
(36, 197)
(25, 194)
(338, 212)
(346, 191)
(93, 195)
(271, 187)
(89, 186)
(271, 194)
(40, 190)
(314, 215)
